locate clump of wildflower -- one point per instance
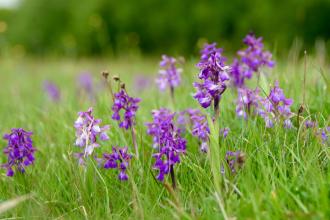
(19, 150)
(52, 91)
(88, 131)
(251, 60)
(122, 101)
(167, 141)
(248, 101)
(118, 159)
(234, 160)
(213, 72)
(276, 107)
(169, 74)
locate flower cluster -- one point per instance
(276, 107)
(167, 141)
(19, 150)
(213, 73)
(247, 101)
(239, 73)
(130, 105)
(52, 91)
(118, 159)
(254, 55)
(169, 74)
(251, 60)
(88, 131)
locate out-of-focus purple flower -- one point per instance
(85, 80)
(118, 159)
(88, 131)
(251, 60)
(52, 91)
(129, 105)
(167, 141)
(182, 120)
(86, 85)
(310, 124)
(200, 128)
(247, 102)
(141, 83)
(224, 132)
(276, 107)
(169, 74)
(213, 74)
(235, 160)
(19, 150)
(239, 72)
(321, 133)
(324, 134)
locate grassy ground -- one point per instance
(286, 173)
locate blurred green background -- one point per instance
(76, 28)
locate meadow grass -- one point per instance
(286, 173)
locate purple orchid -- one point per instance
(248, 101)
(239, 72)
(276, 107)
(252, 59)
(254, 55)
(167, 141)
(200, 127)
(52, 91)
(88, 131)
(19, 150)
(122, 101)
(213, 72)
(169, 74)
(118, 159)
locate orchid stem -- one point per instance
(105, 75)
(302, 106)
(172, 176)
(172, 95)
(305, 69)
(216, 109)
(258, 79)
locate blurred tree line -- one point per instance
(75, 27)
